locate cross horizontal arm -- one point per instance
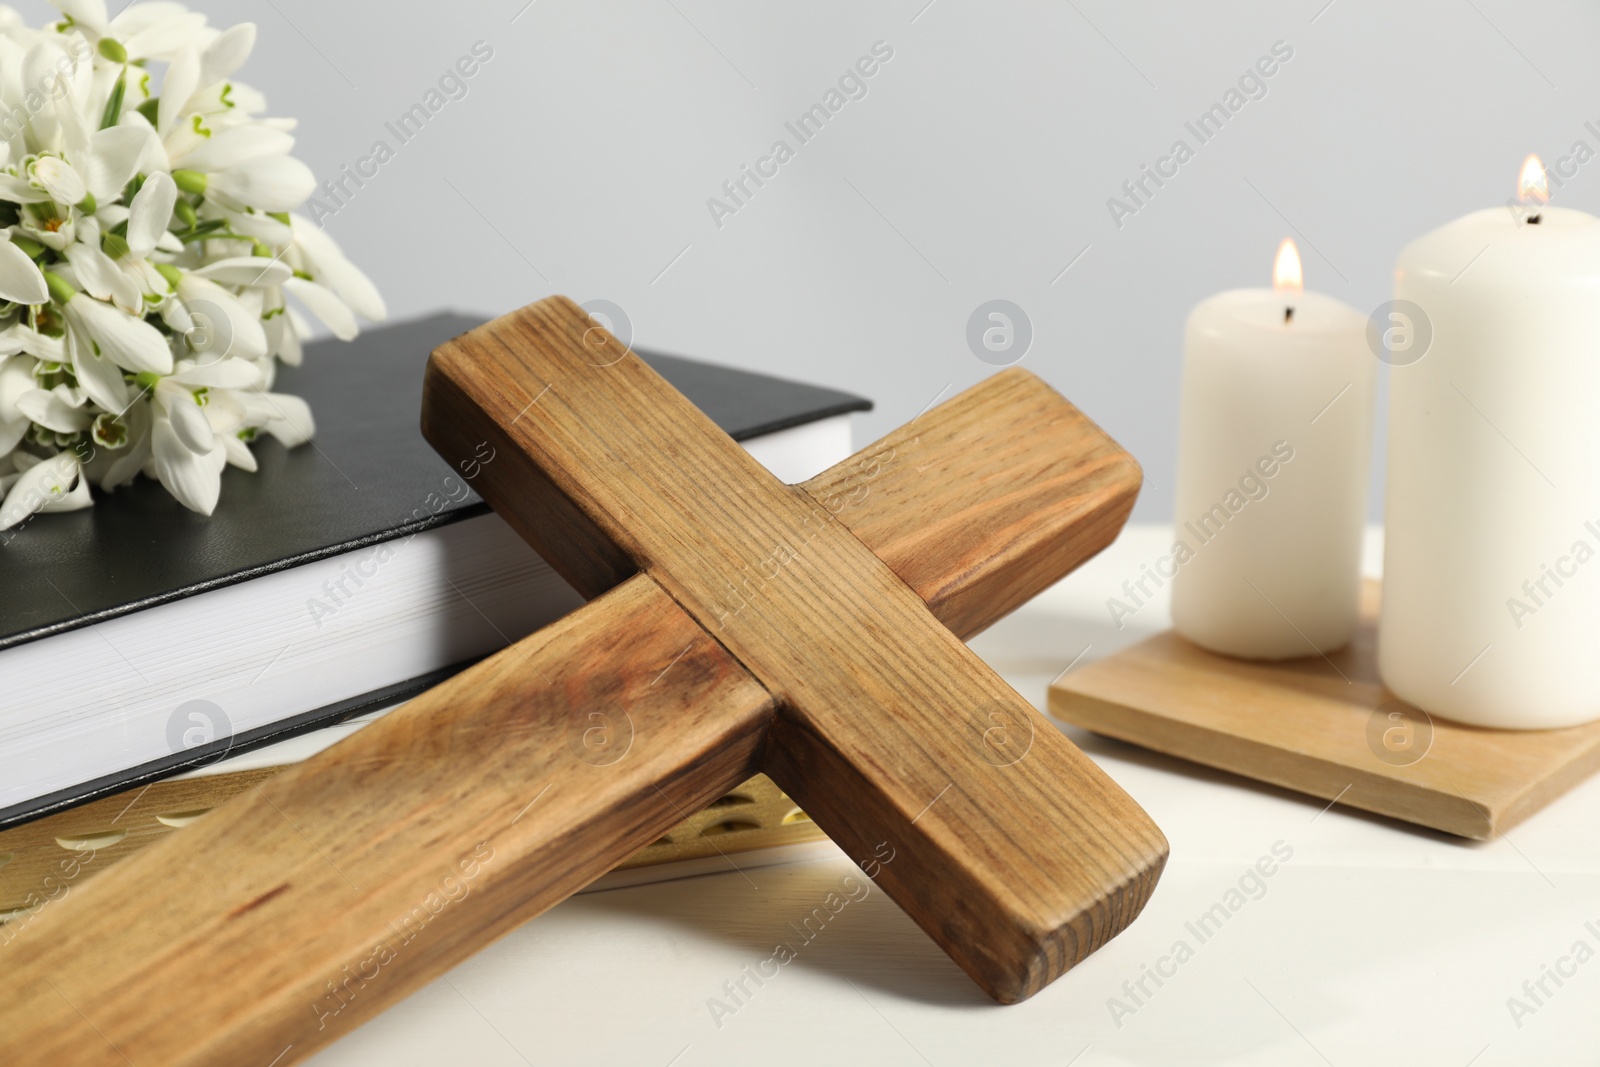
(1018, 861)
(987, 500)
(229, 941)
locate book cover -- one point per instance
(368, 477)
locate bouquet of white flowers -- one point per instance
(148, 248)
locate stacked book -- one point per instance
(155, 662)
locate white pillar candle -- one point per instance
(1274, 438)
(1491, 597)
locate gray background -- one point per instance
(978, 166)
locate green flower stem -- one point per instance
(113, 112)
(170, 273)
(205, 229)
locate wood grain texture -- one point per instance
(986, 501)
(1316, 726)
(40, 859)
(1006, 844)
(64, 847)
(978, 505)
(1018, 861)
(378, 864)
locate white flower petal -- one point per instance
(236, 146)
(251, 101)
(183, 78)
(38, 344)
(239, 454)
(130, 343)
(284, 340)
(73, 125)
(150, 213)
(155, 153)
(189, 422)
(11, 366)
(325, 306)
(58, 178)
(90, 14)
(100, 378)
(16, 378)
(194, 478)
(105, 78)
(52, 411)
(224, 411)
(271, 183)
(176, 316)
(99, 274)
(164, 38)
(114, 158)
(264, 228)
(227, 53)
(11, 432)
(21, 281)
(109, 216)
(20, 190)
(246, 270)
(288, 418)
(43, 483)
(228, 373)
(76, 499)
(41, 75)
(132, 458)
(136, 18)
(147, 280)
(12, 54)
(330, 267)
(224, 326)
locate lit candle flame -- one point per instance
(1532, 184)
(1286, 274)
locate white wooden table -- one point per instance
(1373, 943)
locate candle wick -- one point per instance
(1288, 315)
(1533, 220)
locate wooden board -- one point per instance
(93, 837)
(381, 862)
(1018, 867)
(930, 499)
(1326, 727)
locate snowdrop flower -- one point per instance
(322, 259)
(54, 178)
(152, 274)
(53, 484)
(222, 325)
(126, 340)
(196, 417)
(21, 280)
(266, 183)
(16, 379)
(150, 30)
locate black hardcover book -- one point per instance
(138, 638)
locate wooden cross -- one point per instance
(738, 625)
